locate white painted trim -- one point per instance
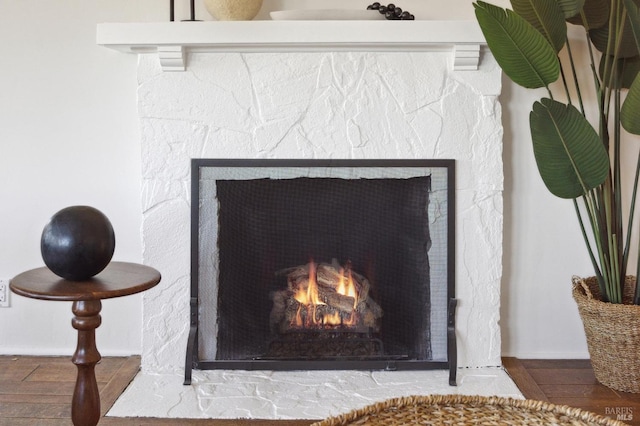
(173, 40)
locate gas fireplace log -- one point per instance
(288, 308)
(284, 321)
(369, 320)
(373, 307)
(337, 301)
(295, 275)
(293, 271)
(277, 314)
(326, 295)
(328, 276)
(291, 312)
(363, 286)
(293, 284)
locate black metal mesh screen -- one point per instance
(379, 225)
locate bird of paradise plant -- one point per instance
(579, 157)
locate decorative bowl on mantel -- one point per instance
(233, 10)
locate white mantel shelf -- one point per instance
(174, 40)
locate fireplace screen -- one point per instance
(322, 264)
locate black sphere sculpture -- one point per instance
(77, 243)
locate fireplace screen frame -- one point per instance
(193, 360)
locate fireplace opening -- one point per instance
(326, 311)
(318, 264)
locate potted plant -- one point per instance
(579, 156)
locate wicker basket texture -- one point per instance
(466, 410)
(613, 334)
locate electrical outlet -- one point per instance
(4, 293)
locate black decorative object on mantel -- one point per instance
(391, 12)
(77, 243)
(192, 9)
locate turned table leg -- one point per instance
(85, 407)
(116, 280)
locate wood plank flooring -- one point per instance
(38, 390)
(572, 382)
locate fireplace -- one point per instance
(278, 90)
(320, 105)
(322, 264)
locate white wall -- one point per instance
(69, 135)
(543, 243)
(543, 248)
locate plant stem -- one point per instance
(575, 77)
(595, 221)
(594, 262)
(632, 209)
(636, 299)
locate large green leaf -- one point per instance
(626, 70)
(570, 7)
(634, 19)
(520, 50)
(595, 14)
(571, 158)
(600, 37)
(630, 111)
(628, 47)
(546, 16)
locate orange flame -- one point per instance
(332, 319)
(309, 295)
(298, 320)
(347, 286)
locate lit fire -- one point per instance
(347, 287)
(309, 298)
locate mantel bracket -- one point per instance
(172, 58)
(466, 57)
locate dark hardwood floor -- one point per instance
(37, 391)
(571, 382)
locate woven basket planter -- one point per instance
(613, 334)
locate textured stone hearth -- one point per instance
(226, 394)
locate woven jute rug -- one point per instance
(466, 410)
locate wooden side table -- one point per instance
(117, 279)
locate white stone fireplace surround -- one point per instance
(285, 90)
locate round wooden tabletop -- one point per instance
(117, 279)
